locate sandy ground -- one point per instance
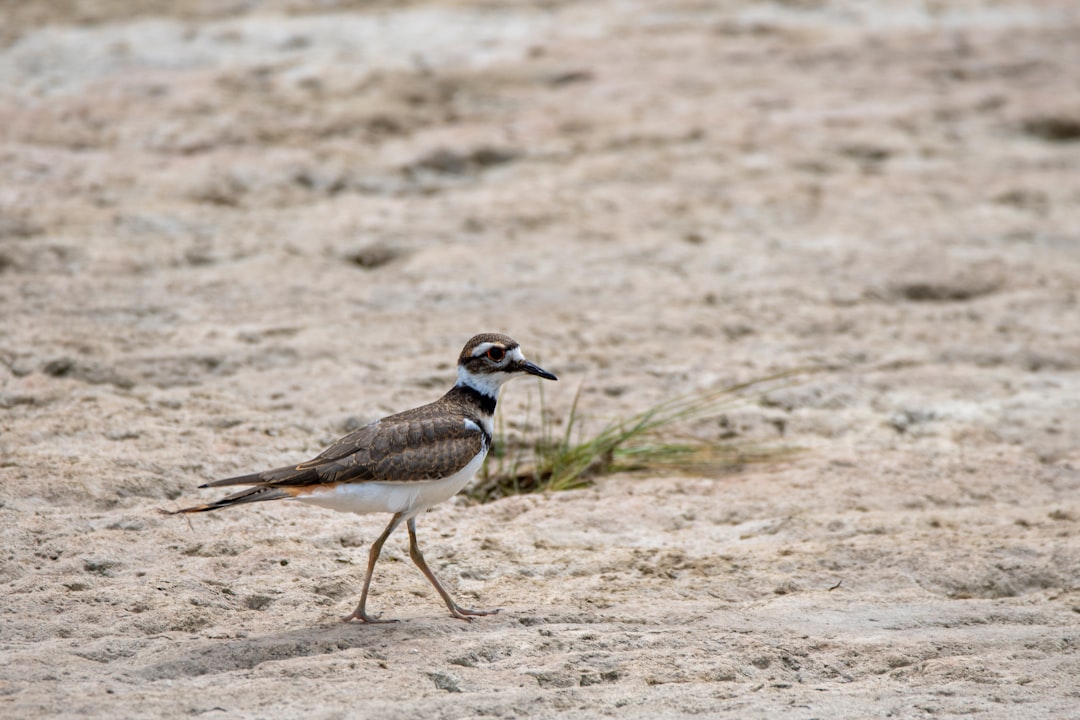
(227, 236)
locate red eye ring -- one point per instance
(496, 354)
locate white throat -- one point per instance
(486, 384)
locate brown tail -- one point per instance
(255, 494)
(290, 475)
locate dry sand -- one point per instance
(227, 236)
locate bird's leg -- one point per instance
(376, 547)
(455, 609)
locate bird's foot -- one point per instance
(467, 614)
(361, 614)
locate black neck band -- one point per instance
(486, 403)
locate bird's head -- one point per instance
(489, 360)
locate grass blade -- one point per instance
(633, 443)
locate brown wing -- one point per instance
(414, 445)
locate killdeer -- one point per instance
(402, 464)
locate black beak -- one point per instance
(536, 370)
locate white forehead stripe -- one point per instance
(482, 349)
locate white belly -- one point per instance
(411, 498)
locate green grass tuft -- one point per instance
(568, 459)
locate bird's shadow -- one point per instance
(208, 656)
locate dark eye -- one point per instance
(496, 354)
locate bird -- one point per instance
(401, 464)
